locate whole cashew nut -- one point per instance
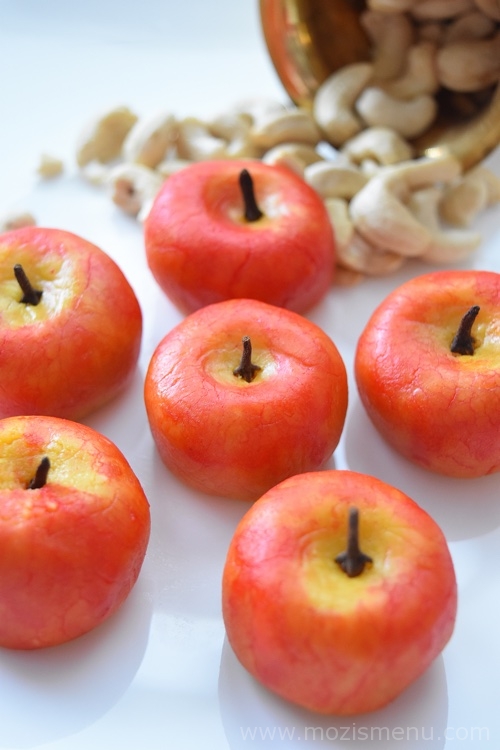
(469, 65)
(333, 105)
(410, 117)
(381, 144)
(332, 181)
(391, 36)
(379, 210)
(148, 141)
(102, 139)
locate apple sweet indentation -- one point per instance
(235, 430)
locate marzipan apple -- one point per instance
(240, 229)
(242, 394)
(427, 368)
(338, 591)
(74, 529)
(70, 325)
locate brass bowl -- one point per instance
(308, 40)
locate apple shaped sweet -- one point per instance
(338, 591)
(74, 529)
(220, 230)
(242, 394)
(70, 325)
(427, 368)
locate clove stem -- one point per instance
(246, 369)
(353, 561)
(463, 342)
(31, 296)
(252, 211)
(40, 478)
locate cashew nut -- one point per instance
(353, 252)
(295, 156)
(49, 166)
(469, 65)
(16, 220)
(102, 139)
(382, 145)
(464, 199)
(234, 128)
(133, 186)
(196, 143)
(379, 210)
(292, 125)
(409, 117)
(391, 35)
(441, 9)
(419, 77)
(450, 246)
(473, 25)
(332, 181)
(333, 105)
(490, 8)
(148, 141)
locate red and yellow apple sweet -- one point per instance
(427, 368)
(338, 591)
(242, 394)
(240, 229)
(74, 529)
(70, 325)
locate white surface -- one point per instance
(159, 674)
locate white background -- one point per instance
(159, 674)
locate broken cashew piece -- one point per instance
(102, 139)
(333, 105)
(379, 210)
(49, 167)
(409, 117)
(133, 187)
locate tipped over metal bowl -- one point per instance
(308, 40)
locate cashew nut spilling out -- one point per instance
(102, 139)
(490, 8)
(409, 117)
(391, 35)
(354, 253)
(294, 156)
(440, 9)
(332, 181)
(134, 186)
(446, 246)
(333, 105)
(382, 145)
(470, 65)
(292, 125)
(17, 220)
(419, 75)
(380, 212)
(463, 200)
(150, 139)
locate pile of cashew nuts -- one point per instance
(353, 146)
